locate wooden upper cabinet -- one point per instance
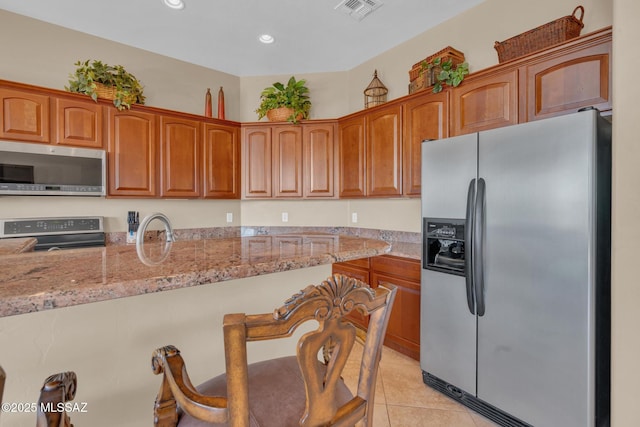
(287, 161)
(564, 83)
(24, 115)
(384, 151)
(78, 123)
(257, 161)
(180, 157)
(221, 156)
(351, 157)
(132, 153)
(485, 102)
(426, 117)
(319, 160)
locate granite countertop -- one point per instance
(17, 245)
(47, 280)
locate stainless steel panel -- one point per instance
(448, 329)
(535, 341)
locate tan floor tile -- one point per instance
(482, 421)
(404, 416)
(403, 385)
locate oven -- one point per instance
(55, 233)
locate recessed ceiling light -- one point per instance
(174, 4)
(266, 39)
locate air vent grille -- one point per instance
(358, 9)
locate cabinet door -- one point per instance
(426, 117)
(403, 331)
(485, 102)
(564, 84)
(351, 270)
(24, 115)
(221, 155)
(180, 157)
(319, 160)
(287, 161)
(257, 162)
(78, 123)
(384, 152)
(132, 153)
(351, 157)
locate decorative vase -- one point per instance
(208, 109)
(221, 104)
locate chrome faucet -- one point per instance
(145, 222)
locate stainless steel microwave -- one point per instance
(52, 170)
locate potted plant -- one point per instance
(444, 72)
(99, 80)
(294, 98)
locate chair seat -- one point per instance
(275, 386)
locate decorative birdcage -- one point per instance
(375, 93)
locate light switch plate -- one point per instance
(229, 217)
(285, 217)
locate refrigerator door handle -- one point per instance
(468, 242)
(478, 246)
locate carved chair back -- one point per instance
(324, 403)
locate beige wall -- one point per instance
(43, 54)
(626, 213)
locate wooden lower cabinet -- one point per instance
(403, 331)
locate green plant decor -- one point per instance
(449, 74)
(294, 95)
(128, 88)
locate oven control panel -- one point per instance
(27, 227)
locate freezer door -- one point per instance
(535, 340)
(447, 328)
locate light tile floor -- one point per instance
(403, 400)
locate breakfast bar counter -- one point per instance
(38, 281)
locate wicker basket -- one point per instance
(105, 92)
(109, 92)
(281, 114)
(558, 31)
(446, 54)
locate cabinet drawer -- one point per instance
(408, 269)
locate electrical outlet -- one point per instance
(229, 217)
(354, 217)
(285, 217)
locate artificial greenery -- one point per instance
(449, 74)
(128, 88)
(294, 95)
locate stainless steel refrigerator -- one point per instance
(515, 301)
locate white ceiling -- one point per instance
(311, 36)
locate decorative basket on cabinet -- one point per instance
(554, 32)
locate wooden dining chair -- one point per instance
(56, 391)
(3, 377)
(306, 389)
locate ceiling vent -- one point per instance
(358, 9)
